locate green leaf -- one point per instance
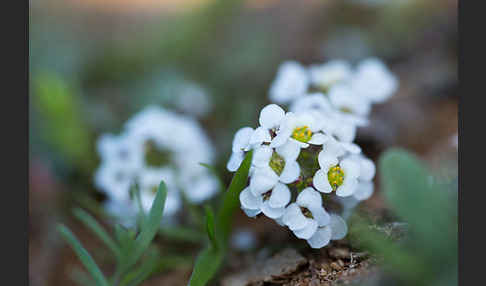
(83, 255)
(96, 228)
(207, 264)
(231, 199)
(211, 258)
(410, 190)
(210, 226)
(150, 226)
(182, 234)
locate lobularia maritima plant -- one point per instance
(306, 156)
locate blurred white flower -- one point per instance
(243, 239)
(291, 82)
(373, 81)
(324, 76)
(157, 145)
(192, 99)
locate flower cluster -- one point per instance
(155, 145)
(336, 90)
(305, 159)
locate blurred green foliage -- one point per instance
(426, 254)
(63, 125)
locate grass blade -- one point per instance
(150, 226)
(211, 258)
(210, 226)
(96, 228)
(83, 255)
(231, 199)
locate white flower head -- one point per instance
(306, 215)
(332, 121)
(291, 82)
(349, 105)
(157, 145)
(337, 173)
(335, 230)
(301, 128)
(373, 80)
(328, 74)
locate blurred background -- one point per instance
(93, 64)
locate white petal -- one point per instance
(272, 212)
(364, 190)
(290, 172)
(280, 196)
(249, 201)
(259, 136)
(309, 197)
(333, 148)
(345, 132)
(367, 169)
(293, 217)
(235, 161)
(326, 160)
(351, 148)
(320, 215)
(262, 181)
(318, 139)
(252, 213)
(308, 231)
(350, 168)
(289, 151)
(347, 188)
(242, 139)
(339, 228)
(282, 136)
(271, 115)
(261, 156)
(320, 238)
(320, 181)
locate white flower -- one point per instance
(306, 215)
(291, 82)
(157, 145)
(374, 81)
(272, 170)
(365, 187)
(241, 144)
(114, 180)
(335, 230)
(326, 75)
(335, 173)
(332, 121)
(349, 105)
(192, 99)
(301, 128)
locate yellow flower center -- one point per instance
(302, 134)
(277, 163)
(335, 175)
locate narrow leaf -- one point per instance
(83, 255)
(151, 225)
(210, 226)
(211, 258)
(96, 228)
(231, 199)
